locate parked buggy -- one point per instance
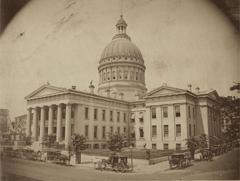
(179, 160)
(115, 162)
(206, 154)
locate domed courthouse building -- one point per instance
(160, 119)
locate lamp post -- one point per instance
(131, 157)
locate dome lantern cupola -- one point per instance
(121, 25)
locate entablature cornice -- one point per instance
(123, 64)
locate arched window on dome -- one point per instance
(131, 75)
(125, 75)
(136, 75)
(104, 76)
(119, 74)
(114, 75)
(108, 76)
(140, 76)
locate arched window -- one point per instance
(104, 76)
(108, 76)
(113, 75)
(125, 75)
(136, 75)
(120, 74)
(131, 75)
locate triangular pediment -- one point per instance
(45, 90)
(165, 90)
(214, 95)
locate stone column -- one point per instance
(42, 123)
(59, 123)
(68, 125)
(50, 120)
(34, 133)
(28, 123)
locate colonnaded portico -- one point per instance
(50, 119)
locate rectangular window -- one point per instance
(72, 112)
(95, 132)
(189, 112)
(118, 116)
(95, 114)
(103, 132)
(194, 130)
(124, 130)
(46, 114)
(177, 111)
(124, 117)
(111, 130)
(63, 112)
(118, 130)
(111, 115)
(96, 146)
(54, 113)
(141, 117)
(165, 146)
(54, 130)
(153, 112)
(178, 130)
(165, 112)
(190, 130)
(193, 112)
(165, 130)
(103, 115)
(178, 146)
(154, 146)
(86, 131)
(132, 117)
(72, 129)
(86, 113)
(154, 130)
(141, 132)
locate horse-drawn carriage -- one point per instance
(206, 154)
(179, 160)
(115, 162)
(57, 156)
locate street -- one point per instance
(225, 166)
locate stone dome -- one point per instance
(121, 47)
(121, 67)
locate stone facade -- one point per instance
(160, 119)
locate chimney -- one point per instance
(74, 87)
(91, 88)
(197, 90)
(190, 87)
(108, 92)
(121, 95)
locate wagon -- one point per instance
(206, 154)
(115, 162)
(179, 160)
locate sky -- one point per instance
(60, 41)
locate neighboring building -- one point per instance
(4, 120)
(160, 119)
(19, 124)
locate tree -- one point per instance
(116, 142)
(192, 144)
(203, 141)
(78, 144)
